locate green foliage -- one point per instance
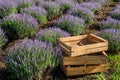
(115, 67)
(51, 34)
(23, 5)
(80, 1)
(17, 27)
(99, 76)
(42, 19)
(7, 12)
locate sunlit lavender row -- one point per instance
(37, 51)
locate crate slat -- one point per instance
(65, 39)
(89, 46)
(88, 51)
(82, 70)
(82, 60)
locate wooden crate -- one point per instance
(83, 44)
(100, 58)
(82, 70)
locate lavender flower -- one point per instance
(110, 23)
(65, 4)
(82, 12)
(20, 24)
(3, 39)
(29, 59)
(7, 8)
(118, 6)
(103, 2)
(38, 12)
(113, 37)
(53, 9)
(51, 35)
(94, 6)
(115, 13)
(74, 25)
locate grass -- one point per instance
(114, 69)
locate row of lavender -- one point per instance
(22, 17)
(110, 30)
(29, 58)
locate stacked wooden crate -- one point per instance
(84, 54)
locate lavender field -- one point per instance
(29, 30)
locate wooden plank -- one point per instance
(63, 68)
(89, 51)
(93, 41)
(80, 58)
(97, 38)
(104, 53)
(73, 42)
(65, 50)
(73, 71)
(64, 44)
(85, 62)
(89, 60)
(77, 47)
(72, 38)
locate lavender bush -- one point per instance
(20, 24)
(51, 35)
(110, 23)
(38, 12)
(53, 9)
(28, 59)
(113, 37)
(93, 6)
(7, 8)
(65, 4)
(3, 39)
(82, 12)
(23, 3)
(74, 25)
(115, 14)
